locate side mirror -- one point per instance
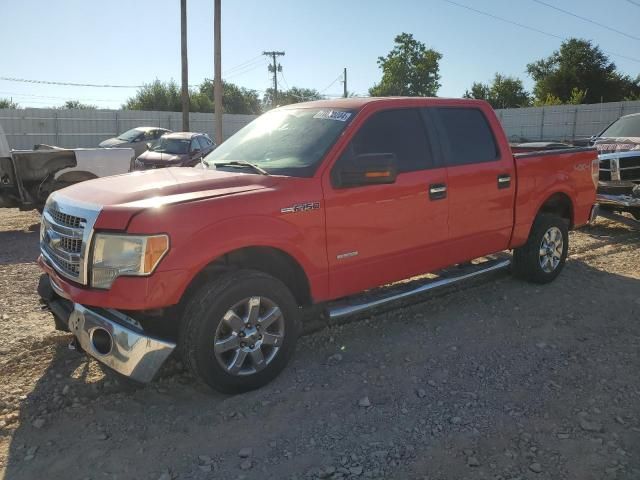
(366, 169)
(149, 146)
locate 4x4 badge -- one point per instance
(301, 207)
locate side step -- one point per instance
(351, 306)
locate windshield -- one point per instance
(624, 127)
(285, 142)
(172, 145)
(130, 135)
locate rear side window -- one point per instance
(395, 131)
(467, 136)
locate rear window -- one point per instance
(467, 136)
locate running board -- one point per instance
(347, 307)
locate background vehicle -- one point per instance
(27, 177)
(178, 149)
(619, 149)
(309, 204)
(136, 138)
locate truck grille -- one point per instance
(65, 233)
(623, 166)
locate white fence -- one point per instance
(562, 122)
(87, 128)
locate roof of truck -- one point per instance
(357, 103)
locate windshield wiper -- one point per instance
(242, 163)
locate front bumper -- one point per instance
(109, 336)
(618, 201)
(105, 336)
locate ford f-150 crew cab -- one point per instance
(308, 204)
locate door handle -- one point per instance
(504, 180)
(437, 191)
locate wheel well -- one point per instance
(559, 204)
(269, 260)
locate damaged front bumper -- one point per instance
(622, 201)
(109, 336)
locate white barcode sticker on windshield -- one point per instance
(333, 115)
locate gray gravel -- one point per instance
(497, 380)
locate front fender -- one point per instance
(300, 235)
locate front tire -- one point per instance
(239, 331)
(542, 258)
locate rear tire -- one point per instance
(542, 258)
(239, 331)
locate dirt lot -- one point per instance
(498, 380)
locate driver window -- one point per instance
(401, 132)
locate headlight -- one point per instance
(130, 255)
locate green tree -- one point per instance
(292, 95)
(8, 103)
(581, 65)
(409, 69)
(166, 96)
(235, 99)
(503, 92)
(77, 105)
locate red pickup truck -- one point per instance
(308, 204)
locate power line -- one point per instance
(634, 3)
(587, 20)
(247, 69)
(66, 84)
(243, 64)
(331, 84)
(527, 27)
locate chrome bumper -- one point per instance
(125, 349)
(620, 201)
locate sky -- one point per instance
(133, 42)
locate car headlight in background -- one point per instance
(131, 255)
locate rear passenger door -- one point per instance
(381, 233)
(480, 185)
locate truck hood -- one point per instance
(122, 196)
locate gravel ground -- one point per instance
(497, 380)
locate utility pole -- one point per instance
(185, 65)
(274, 68)
(217, 82)
(344, 83)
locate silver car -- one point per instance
(136, 138)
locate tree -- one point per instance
(77, 105)
(293, 95)
(579, 64)
(8, 103)
(503, 92)
(235, 99)
(166, 96)
(409, 69)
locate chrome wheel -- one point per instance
(551, 249)
(249, 336)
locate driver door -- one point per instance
(377, 234)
